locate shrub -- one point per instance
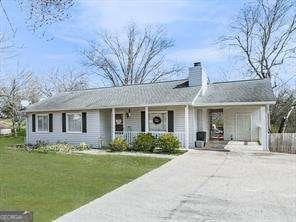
(39, 143)
(58, 147)
(83, 146)
(42, 147)
(61, 147)
(144, 142)
(118, 145)
(168, 143)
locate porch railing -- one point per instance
(129, 136)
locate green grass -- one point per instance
(53, 184)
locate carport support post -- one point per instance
(186, 127)
(113, 124)
(146, 119)
(264, 129)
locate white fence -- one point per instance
(129, 136)
(282, 142)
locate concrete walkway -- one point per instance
(242, 185)
(104, 152)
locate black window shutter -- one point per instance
(63, 122)
(143, 121)
(84, 123)
(171, 121)
(33, 123)
(50, 122)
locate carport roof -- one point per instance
(244, 91)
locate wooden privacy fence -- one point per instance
(282, 142)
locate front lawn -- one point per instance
(53, 184)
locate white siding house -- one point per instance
(236, 110)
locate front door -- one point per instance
(243, 127)
(216, 124)
(119, 122)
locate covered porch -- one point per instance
(227, 123)
(130, 121)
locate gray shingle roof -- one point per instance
(237, 91)
(125, 96)
(163, 93)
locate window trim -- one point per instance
(157, 112)
(36, 123)
(67, 122)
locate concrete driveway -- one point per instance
(242, 185)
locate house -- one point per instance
(235, 110)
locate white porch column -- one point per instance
(113, 124)
(186, 127)
(264, 128)
(146, 119)
(205, 123)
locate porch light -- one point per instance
(128, 114)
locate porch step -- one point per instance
(216, 146)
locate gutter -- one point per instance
(236, 104)
(110, 107)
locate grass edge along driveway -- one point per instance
(53, 184)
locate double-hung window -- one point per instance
(74, 122)
(42, 123)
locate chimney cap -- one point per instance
(197, 64)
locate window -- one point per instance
(118, 122)
(158, 121)
(74, 121)
(42, 123)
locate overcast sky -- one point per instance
(194, 25)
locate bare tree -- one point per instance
(134, 57)
(33, 90)
(63, 82)
(40, 13)
(264, 33)
(6, 45)
(283, 113)
(11, 95)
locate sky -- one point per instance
(194, 25)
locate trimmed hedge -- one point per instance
(168, 143)
(118, 145)
(144, 142)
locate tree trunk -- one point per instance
(14, 131)
(284, 121)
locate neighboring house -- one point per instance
(4, 129)
(235, 110)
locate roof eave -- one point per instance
(236, 104)
(110, 107)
